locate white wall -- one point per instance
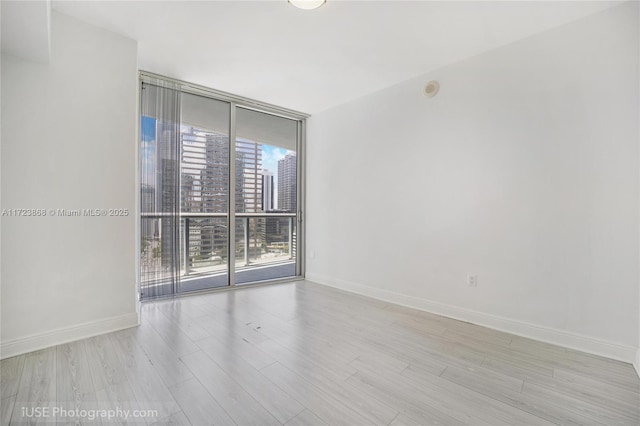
(523, 170)
(69, 142)
(26, 29)
(637, 361)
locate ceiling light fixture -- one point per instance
(307, 4)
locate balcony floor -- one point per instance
(245, 274)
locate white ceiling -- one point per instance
(312, 60)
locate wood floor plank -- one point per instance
(302, 360)
(595, 393)
(449, 398)
(594, 361)
(282, 406)
(74, 385)
(112, 389)
(413, 353)
(10, 372)
(170, 332)
(380, 359)
(548, 409)
(627, 382)
(306, 418)
(599, 387)
(227, 326)
(423, 316)
(375, 411)
(178, 314)
(106, 369)
(198, 405)
(347, 343)
(324, 379)
(508, 361)
(395, 358)
(410, 320)
(402, 420)
(383, 360)
(473, 338)
(241, 407)
(606, 415)
(167, 363)
(486, 408)
(237, 346)
(119, 398)
(176, 419)
(490, 380)
(539, 349)
(6, 409)
(402, 398)
(325, 406)
(150, 391)
(517, 368)
(37, 388)
(324, 347)
(272, 326)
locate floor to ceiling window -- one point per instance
(266, 196)
(195, 145)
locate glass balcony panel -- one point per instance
(265, 248)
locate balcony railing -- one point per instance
(264, 241)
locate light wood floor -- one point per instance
(305, 354)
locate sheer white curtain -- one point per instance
(159, 189)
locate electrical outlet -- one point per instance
(472, 280)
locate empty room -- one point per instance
(320, 212)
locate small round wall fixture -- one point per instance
(307, 4)
(431, 89)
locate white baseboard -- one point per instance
(60, 336)
(636, 364)
(563, 338)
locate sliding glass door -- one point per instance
(194, 147)
(204, 192)
(265, 197)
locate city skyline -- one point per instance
(269, 162)
(186, 170)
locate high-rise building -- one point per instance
(249, 193)
(147, 205)
(205, 189)
(248, 177)
(268, 191)
(215, 175)
(287, 195)
(204, 171)
(166, 187)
